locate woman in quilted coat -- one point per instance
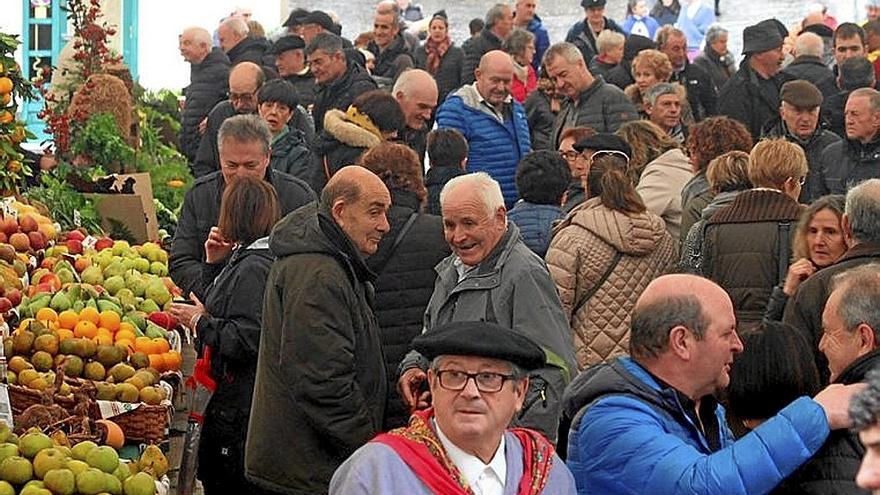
(602, 256)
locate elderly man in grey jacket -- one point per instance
(590, 101)
(493, 276)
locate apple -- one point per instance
(14, 296)
(48, 263)
(103, 243)
(74, 246)
(37, 240)
(5, 305)
(51, 280)
(8, 225)
(75, 235)
(81, 263)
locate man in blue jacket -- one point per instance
(650, 423)
(494, 125)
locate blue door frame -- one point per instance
(56, 18)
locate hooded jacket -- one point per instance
(321, 383)
(583, 247)
(208, 85)
(340, 93)
(660, 187)
(340, 144)
(630, 435)
(494, 147)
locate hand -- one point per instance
(797, 273)
(203, 125)
(217, 248)
(834, 399)
(409, 386)
(186, 313)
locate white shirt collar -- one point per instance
(484, 479)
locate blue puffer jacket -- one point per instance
(535, 223)
(495, 147)
(630, 436)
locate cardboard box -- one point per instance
(136, 211)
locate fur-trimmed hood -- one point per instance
(347, 132)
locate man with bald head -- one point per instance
(416, 92)
(208, 85)
(650, 423)
(235, 40)
(809, 64)
(493, 123)
(320, 383)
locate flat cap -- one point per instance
(320, 18)
(296, 17)
(761, 37)
(801, 93)
(285, 43)
(603, 141)
(592, 3)
(483, 339)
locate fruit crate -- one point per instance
(21, 398)
(139, 422)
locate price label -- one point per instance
(77, 218)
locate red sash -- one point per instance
(419, 446)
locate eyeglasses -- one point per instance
(486, 381)
(241, 96)
(569, 155)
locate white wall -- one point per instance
(161, 21)
(11, 20)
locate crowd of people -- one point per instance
(614, 263)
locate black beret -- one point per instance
(603, 141)
(296, 17)
(761, 37)
(592, 3)
(285, 43)
(483, 339)
(320, 18)
(801, 93)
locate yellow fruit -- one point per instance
(90, 314)
(6, 117)
(5, 85)
(85, 329)
(176, 183)
(46, 315)
(110, 320)
(68, 319)
(64, 334)
(5, 98)
(124, 334)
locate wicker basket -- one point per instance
(148, 424)
(21, 398)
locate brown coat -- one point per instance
(582, 249)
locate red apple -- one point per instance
(9, 225)
(41, 287)
(75, 235)
(74, 246)
(103, 243)
(14, 296)
(5, 305)
(37, 240)
(48, 263)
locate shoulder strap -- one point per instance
(397, 240)
(783, 249)
(586, 297)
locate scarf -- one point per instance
(520, 71)
(419, 446)
(435, 52)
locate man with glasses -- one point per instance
(584, 152)
(478, 378)
(493, 276)
(244, 150)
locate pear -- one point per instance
(139, 484)
(153, 462)
(60, 481)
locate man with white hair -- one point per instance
(239, 47)
(416, 92)
(208, 85)
(808, 64)
(493, 276)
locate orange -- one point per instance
(114, 437)
(5, 85)
(110, 320)
(143, 344)
(90, 314)
(126, 326)
(68, 319)
(172, 359)
(156, 361)
(46, 314)
(64, 334)
(106, 333)
(161, 345)
(124, 335)
(103, 339)
(128, 344)
(85, 329)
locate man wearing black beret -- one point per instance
(751, 96)
(290, 60)
(478, 379)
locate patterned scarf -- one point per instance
(419, 446)
(435, 52)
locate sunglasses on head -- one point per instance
(611, 152)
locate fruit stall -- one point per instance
(91, 360)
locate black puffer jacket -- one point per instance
(751, 99)
(541, 118)
(341, 143)
(208, 155)
(813, 147)
(254, 50)
(601, 106)
(340, 94)
(435, 179)
(479, 46)
(701, 91)
(208, 85)
(404, 285)
(291, 155)
(810, 68)
(832, 471)
(321, 383)
(200, 212)
(846, 163)
(449, 71)
(231, 328)
(743, 251)
(391, 61)
(304, 83)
